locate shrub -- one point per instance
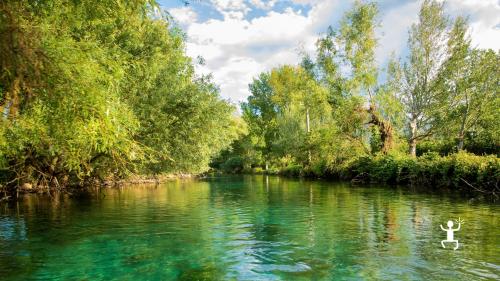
(292, 170)
(459, 170)
(257, 170)
(233, 164)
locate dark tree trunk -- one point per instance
(385, 129)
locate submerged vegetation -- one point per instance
(93, 90)
(434, 120)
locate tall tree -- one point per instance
(352, 47)
(417, 75)
(260, 113)
(470, 78)
(299, 96)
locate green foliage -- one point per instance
(328, 116)
(357, 36)
(260, 114)
(101, 88)
(292, 170)
(415, 79)
(233, 164)
(458, 170)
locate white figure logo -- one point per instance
(449, 233)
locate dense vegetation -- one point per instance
(99, 89)
(96, 90)
(432, 120)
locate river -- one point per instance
(248, 228)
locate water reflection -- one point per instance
(246, 228)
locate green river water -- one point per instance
(247, 228)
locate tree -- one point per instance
(21, 57)
(93, 90)
(299, 97)
(469, 77)
(260, 114)
(417, 76)
(352, 47)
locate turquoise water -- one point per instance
(247, 228)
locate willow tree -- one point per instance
(183, 120)
(352, 48)
(21, 57)
(65, 119)
(95, 89)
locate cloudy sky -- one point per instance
(238, 39)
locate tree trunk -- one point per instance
(413, 148)
(384, 128)
(413, 139)
(308, 129)
(460, 144)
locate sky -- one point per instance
(238, 39)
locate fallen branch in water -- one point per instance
(480, 190)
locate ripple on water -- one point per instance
(249, 228)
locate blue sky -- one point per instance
(241, 38)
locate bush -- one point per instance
(459, 170)
(315, 169)
(233, 165)
(257, 170)
(479, 145)
(293, 170)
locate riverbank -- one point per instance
(465, 172)
(13, 192)
(468, 173)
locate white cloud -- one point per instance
(233, 75)
(393, 33)
(231, 9)
(236, 49)
(230, 4)
(184, 15)
(305, 2)
(484, 19)
(263, 4)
